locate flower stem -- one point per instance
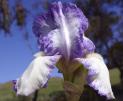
(35, 97)
(74, 84)
(72, 91)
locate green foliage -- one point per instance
(115, 76)
(54, 91)
(7, 93)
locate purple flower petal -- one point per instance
(98, 74)
(85, 46)
(14, 85)
(44, 23)
(60, 31)
(36, 75)
(45, 85)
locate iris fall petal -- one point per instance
(98, 74)
(36, 75)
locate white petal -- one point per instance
(98, 74)
(36, 75)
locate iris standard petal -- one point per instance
(60, 28)
(85, 46)
(36, 75)
(43, 24)
(98, 74)
(51, 20)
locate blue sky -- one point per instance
(15, 55)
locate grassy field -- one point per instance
(115, 76)
(54, 85)
(7, 94)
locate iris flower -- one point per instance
(61, 40)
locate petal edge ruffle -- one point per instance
(98, 74)
(36, 75)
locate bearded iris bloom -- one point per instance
(62, 44)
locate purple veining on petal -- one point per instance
(43, 24)
(45, 85)
(72, 12)
(14, 85)
(82, 47)
(77, 13)
(46, 44)
(52, 67)
(98, 74)
(51, 24)
(88, 44)
(36, 75)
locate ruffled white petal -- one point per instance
(98, 74)
(36, 75)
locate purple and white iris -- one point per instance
(60, 34)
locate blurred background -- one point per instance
(18, 44)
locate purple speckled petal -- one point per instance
(44, 23)
(49, 43)
(36, 75)
(45, 85)
(14, 85)
(73, 15)
(98, 74)
(88, 45)
(85, 46)
(60, 30)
